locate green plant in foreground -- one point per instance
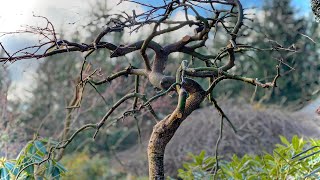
(298, 159)
(32, 163)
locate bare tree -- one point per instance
(211, 17)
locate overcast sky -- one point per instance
(68, 14)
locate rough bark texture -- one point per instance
(164, 130)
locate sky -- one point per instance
(14, 14)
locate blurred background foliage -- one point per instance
(276, 25)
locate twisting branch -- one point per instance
(223, 115)
(213, 71)
(136, 90)
(162, 93)
(213, 84)
(128, 71)
(117, 104)
(209, 18)
(217, 146)
(153, 34)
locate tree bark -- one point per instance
(164, 130)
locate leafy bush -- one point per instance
(290, 160)
(32, 163)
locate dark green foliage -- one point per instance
(288, 160)
(26, 164)
(287, 28)
(279, 26)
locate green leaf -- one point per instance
(4, 174)
(40, 146)
(227, 172)
(56, 173)
(60, 166)
(284, 140)
(30, 148)
(49, 168)
(252, 177)
(199, 160)
(295, 142)
(29, 170)
(186, 166)
(11, 167)
(313, 172)
(37, 157)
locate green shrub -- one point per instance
(32, 163)
(298, 159)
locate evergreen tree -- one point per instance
(300, 67)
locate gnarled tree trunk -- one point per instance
(164, 130)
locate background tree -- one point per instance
(279, 26)
(51, 96)
(13, 136)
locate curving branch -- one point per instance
(190, 92)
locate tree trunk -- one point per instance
(164, 130)
(161, 135)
